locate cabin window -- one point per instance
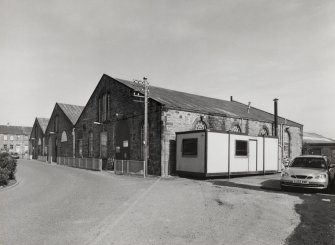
(190, 147)
(241, 148)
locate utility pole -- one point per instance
(143, 87)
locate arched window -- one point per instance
(200, 125)
(236, 129)
(287, 143)
(104, 107)
(64, 137)
(264, 131)
(90, 144)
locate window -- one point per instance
(5, 137)
(264, 132)
(103, 144)
(200, 125)
(80, 148)
(11, 147)
(56, 124)
(64, 137)
(11, 137)
(190, 147)
(5, 147)
(90, 144)
(315, 151)
(236, 129)
(241, 148)
(103, 107)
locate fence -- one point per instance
(130, 167)
(86, 163)
(42, 158)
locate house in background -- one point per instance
(59, 134)
(111, 124)
(15, 139)
(37, 144)
(315, 144)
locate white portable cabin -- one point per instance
(215, 153)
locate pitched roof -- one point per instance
(197, 103)
(313, 138)
(43, 122)
(16, 130)
(71, 111)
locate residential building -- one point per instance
(15, 139)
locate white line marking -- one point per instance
(108, 229)
(309, 195)
(326, 200)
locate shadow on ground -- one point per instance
(317, 216)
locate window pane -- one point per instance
(190, 147)
(241, 148)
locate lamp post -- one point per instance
(143, 87)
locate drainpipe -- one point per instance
(276, 116)
(73, 143)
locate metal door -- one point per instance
(252, 155)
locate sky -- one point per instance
(253, 50)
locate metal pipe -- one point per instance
(276, 116)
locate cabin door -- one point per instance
(252, 155)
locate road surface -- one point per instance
(55, 204)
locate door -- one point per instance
(122, 141)
(49, 150)
(252, 155)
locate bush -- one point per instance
(4, 176)
(7, 168)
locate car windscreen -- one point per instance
(309, 163)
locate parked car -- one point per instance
(309, 171)
(14, 155)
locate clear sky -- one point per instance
(254, 50)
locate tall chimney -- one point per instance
(276, 116)
(231, 98)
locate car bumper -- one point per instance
(305, 184)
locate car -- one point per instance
(14, 155)
(309, 171)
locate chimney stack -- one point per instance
(276, 117)
(249, 105)
(231, 98)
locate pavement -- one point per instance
(268, 181)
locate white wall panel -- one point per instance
(217, 154)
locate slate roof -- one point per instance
(197, 103)
(313, 138)
(43, 122)
(71, 111)
(15, 130)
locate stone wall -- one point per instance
(123, 111)
(53, 136)
(179, 121)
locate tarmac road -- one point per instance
(60, 205)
